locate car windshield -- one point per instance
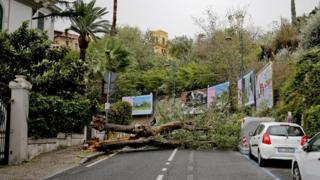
(285, 130)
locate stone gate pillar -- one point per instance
(18, 142)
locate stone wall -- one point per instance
(38, 146)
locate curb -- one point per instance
(91, 157)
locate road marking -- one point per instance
(94, 163)
(190, 177)
(172, 155)
(191, 157)
(160, 177)
(167, 163)
(164, 169)
(263, 169)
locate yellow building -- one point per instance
(160, 42)
(68, 40)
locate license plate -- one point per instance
(286, 150)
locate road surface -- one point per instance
(177, 165)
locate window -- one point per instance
(315, 143)
(40, 21)
(259, 129)
(163, 41)
(285, 130)
(1, 15)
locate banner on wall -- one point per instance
(141, 105)
(218, 94)
(239, 85)
(194, 102)
(264, 91)
(248, 91)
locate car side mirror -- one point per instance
(250, 133)
(306, 147)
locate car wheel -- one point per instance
(261, 161)
(296, 172)
(250, 154)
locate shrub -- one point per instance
(120, 113)
(301, 91)
(52, 114)
(310, 35)
(311, 120)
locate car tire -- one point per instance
(250, 154)
(296, 172)
(261, 161)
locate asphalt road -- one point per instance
(177, 165)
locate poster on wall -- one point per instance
(264, 91)
(218, 94)
(248, 91)
(194, 102)
(141, 105)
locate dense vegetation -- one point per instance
(57, 102)
(65, 88)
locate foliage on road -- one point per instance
(216, 128)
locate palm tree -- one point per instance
(114, 18)
(85, 20)
(88, 23)
(117, 57)
(293, 12)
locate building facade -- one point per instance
(14, 12)
(160, 42)
(68, 40)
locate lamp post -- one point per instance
(240, 19)
(173, 65)
(174, 82)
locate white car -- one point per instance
(306, 163)
(276, 140)
(248, 125)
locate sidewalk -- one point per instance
(43, 166)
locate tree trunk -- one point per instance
(114, 18)
(141, 135)
(83, 55)
(136, 143)
(293, 12)
(140, 130)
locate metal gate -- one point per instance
(4, 132)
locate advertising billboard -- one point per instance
(141, 105)
(264, 91)
(248, 91)
(194, 102)
(218, 94)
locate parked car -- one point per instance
(306, 162)
(249, 124)
(276, 140)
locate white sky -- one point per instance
(175, 16)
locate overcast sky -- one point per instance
(175, 16)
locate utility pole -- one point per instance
(174, 82)
(241, 65)
(240, 19)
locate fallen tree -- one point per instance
(140, 134)
(214, 129)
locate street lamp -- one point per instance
(173, 65)
(237, 20)
(240, 18)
